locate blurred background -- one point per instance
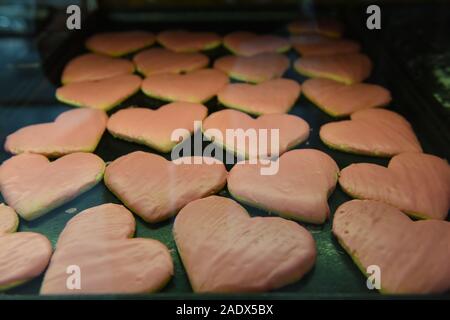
(35, 43)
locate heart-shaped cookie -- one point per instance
(72, 131)
(292, 131)
(345, 68)
(299, 190)
(339, 100)
(248, 43)
(102, 94)
(156, 189)
(416, 183)
(154, 128)
(120, 43)
(272, 96)
(33, 185)
(326, 27)
(225, 250)
(197, 86)
(413, 257)
(97, 242)
(9, 221)
(160, 60)
(316, 45)
(23, 256)
(188, 41)
(376, 132)
(255, 69)
(91, 66)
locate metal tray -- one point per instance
(334, 275)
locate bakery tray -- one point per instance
(334, 276)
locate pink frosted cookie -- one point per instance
(78, 130)
(325, 27)
(156, 189)
(292, 131)
(376, 132)
(9, 221)
(197, 86)
(255, 69)
(33, 185)
(316, 45)
(188, 41)
(299, 190)
(92, 66)
(272, 96)
(225, 250)
(416, 183)
(339, 100)
(248, 43)
(102, 94)
(99, 239)
(155, 127)
(345, 68)
(119, 43)
(413, 257)
(23, 256)
(160, 60)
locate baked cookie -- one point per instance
(344, 68)
(225, 250)
(78, 130)
(412, 257)
(340, 100)
(272, 96)
(292, 130)
(92, 66)
(197, 86)
(9, 221)
(97, 241)
(102, 94)
(254, 69)
(120, 43)
(156, 189)
(299, 190)
(316, 45)
(188, 41)
(33, 186)
(23, 256)
(374, 132)
(160, 60)
(416, 183)
(248, 43)
(154, 128)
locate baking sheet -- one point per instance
(334, 275)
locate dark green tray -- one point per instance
(334, 275)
